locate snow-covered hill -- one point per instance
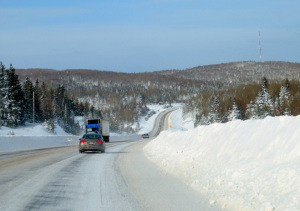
(240, 165)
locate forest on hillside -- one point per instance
(38, 103)
(216, 93)
(121, 98)
(252, 101)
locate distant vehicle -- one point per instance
(145, 135)
(91, 142)
(99, 126)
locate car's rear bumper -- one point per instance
(91, 147)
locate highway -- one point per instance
(122, 178)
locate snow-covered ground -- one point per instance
(177, 123)
(31, 130)
(34, 136)
(240, 165)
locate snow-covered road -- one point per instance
(63, 179)
(119, 179)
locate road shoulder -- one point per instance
(152, 188)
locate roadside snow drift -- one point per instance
(240, 165)
(35, 142)
(33, 137)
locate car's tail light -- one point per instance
(99, 142)
(83, 141)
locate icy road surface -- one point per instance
(62, 179)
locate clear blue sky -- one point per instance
(146, 35)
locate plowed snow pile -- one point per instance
(240, 165)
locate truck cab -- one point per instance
(99, 126)
(92, 128)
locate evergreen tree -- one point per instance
(38, 115)
(235, 112)
(16, 104)
(284, 99)
(214, 115)
(64, 111)
(264, 101)
(46, 103)
(28, 100)
(13, 100)
(86, 110)
(201, 120)
(277, 107)
(252, 111)
(59, 100)
(50, 126)
(5, 100)
(2, 91)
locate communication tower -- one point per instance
(259, 46)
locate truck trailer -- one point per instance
(99, 126)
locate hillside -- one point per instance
(122, 97)
(237, 73)
(70, 77)
(207, 77)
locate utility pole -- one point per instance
(65, 111)
(33, 108)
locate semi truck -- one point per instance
(99, 126)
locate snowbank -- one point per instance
(31, 130)
(240, 165)
(176, 122)
(35, 142)
(33, 137)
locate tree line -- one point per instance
(123, 98)
(34, 102)
(253, 101)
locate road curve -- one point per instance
(161, 122)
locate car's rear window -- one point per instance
(91, 136)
